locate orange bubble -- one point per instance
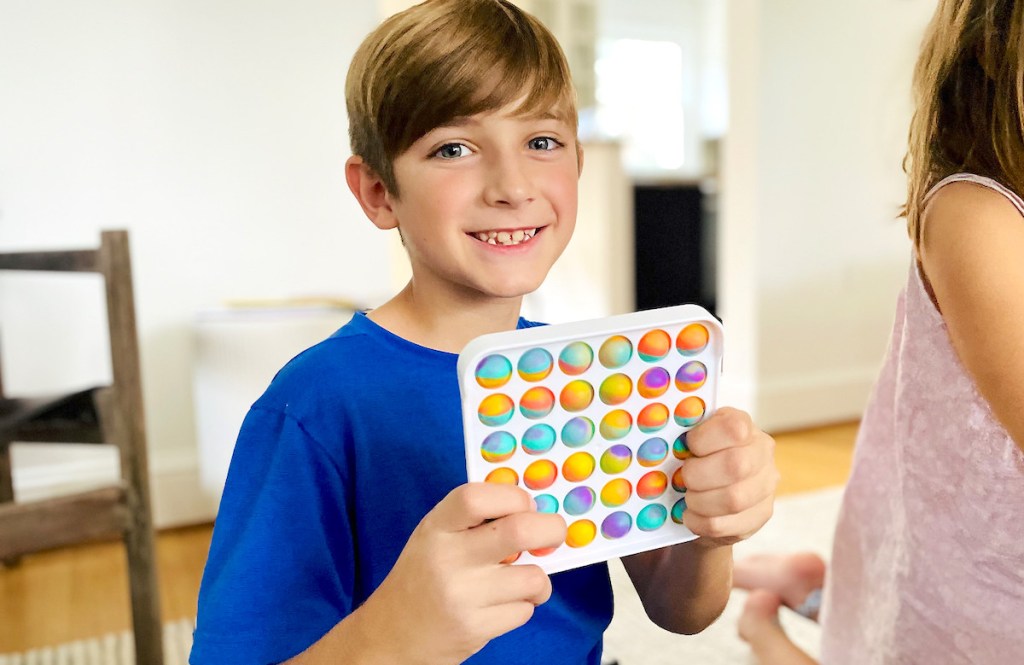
(502, 476)
(580, 533)
(651, 485)
(578, 467)
(654, 345)
(540, 474)
(576, 395)
(692, 339)
(616, 492)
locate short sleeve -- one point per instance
(280, 570)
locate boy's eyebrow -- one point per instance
(462, 121)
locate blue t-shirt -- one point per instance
(355, 440)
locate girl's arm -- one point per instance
(972, 250)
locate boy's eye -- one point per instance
(452, 151)
(544, 143)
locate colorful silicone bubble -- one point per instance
(540, 475)
(538, 439)
(651, 517)
(652, 418)
(653, 382)
(576, 358)
(692, 339)
(578, 467)
(677, 511)
(496, 410)
(679, 447)
(546, 503)
(502, 476)
(616, 389)
(616, 525)
(578, 432)
(494, 371)
(689, 412)
(498, 447)
(580, 533)
(652, 452)
(616, 424)
(651, 485)
(654, 346)
(512, 558)
(535, 365)
(579, 500)
(576, 395)
(543, 551)
(616, 459)
(615, 351)
(616, 492)
(691, 376)
(537, 402)
(677, 480)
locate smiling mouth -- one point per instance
(506, 238)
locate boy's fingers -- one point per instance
(730, 529)
(472, 504)
(726, 428)
(735, 498)
(517, 583)
(519, 532)
(729, 466)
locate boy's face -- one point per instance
(487, 203)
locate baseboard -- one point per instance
(43, 472)
(791, 403)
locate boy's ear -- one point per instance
(370, 191)
(579, 158)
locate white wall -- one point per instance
(215, 133)
(811, 257)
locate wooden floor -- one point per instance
(82, 592)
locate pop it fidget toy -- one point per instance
(590, 418)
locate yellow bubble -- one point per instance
(578, 467)
(580, 533)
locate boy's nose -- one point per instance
(508, 184)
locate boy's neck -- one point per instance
(444, 325)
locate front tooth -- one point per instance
(518, 235)
(492, 234)
(504, 237)
(490, 241)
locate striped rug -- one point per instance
(112, 649)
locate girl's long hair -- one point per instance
(969, 100)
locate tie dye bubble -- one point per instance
(616, 459)
(653, 382)
(652, 452)
(615, 352)
(580, 534)
(546, 503)
(576, 358)
(503, 476)
(654, 346)
(679, 447)
(616, 389)
(578, 467)
(616, 525)
(535, 365)
(576, 396)
(691, 376)
(536, 403)
(498, 447)
(539, 439)
(616, 492)
(651, 517)
(690, 411)
(496, 410)
(493, 371)
(578, 432)
(677, 480)
(677, 511)
(652, 418)
(616, 424)
(540, 475)
(652, 485)
(579, 501)
(692, 339)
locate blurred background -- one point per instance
(741, 154)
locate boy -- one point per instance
(333, 544)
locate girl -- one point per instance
(928, 562)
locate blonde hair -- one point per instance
(447, 59)
(969, 100)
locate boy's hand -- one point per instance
(730, 478)
(449, 592)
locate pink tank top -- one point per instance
(928, 560)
